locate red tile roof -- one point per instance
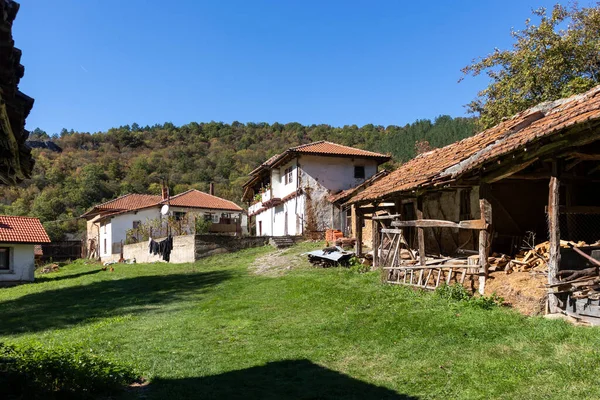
(329, 148)
(15, 229)
(470, 154)
(131, 201)
(197, 199)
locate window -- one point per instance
(208, 217)
(136, 224)
(4, 258)
(359, 172)
(179, 215)
(288, 175)
(215, 218)
(105, 247)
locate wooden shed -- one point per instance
(535, 175)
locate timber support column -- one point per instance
(420, 232)
(485, 209)
(358, 232)
(554, 233)
(375, 237)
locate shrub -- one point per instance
(35, 372)
(458, 292)
(358, 267)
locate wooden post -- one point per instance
(420, 236)
(375, 241)
(420, 233)
(554, 231)
(485, 209)
(359, 231)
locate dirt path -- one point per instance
(278, 262)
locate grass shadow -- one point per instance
(69, 306)
(51, 278)
(290, 379)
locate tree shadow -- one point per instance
(51, 278)
(59, 308)
(290, 379)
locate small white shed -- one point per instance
(18, 237)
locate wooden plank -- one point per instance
(375, 240)
(386, 217)
(586, 157)
(511, 170)
(449, 276)
(464, 275)
(428, 267)
(476, 224)
(485, 208)
(578, 210)
(554, 231)
(358, 233)
(420, 233)
(427, 279)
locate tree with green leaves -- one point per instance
(557, 57)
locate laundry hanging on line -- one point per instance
(162, 248)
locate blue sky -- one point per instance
(95, 64)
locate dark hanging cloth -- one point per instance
(153, 247)
(162, 248)
(168, 246)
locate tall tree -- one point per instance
(558, 57)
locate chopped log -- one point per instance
(570, 274)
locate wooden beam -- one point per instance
(384, 217)
(485, 209)
(585, 157)
(554, 230)
(420, 233)
(476, 224)
(375, 240)
(511, 170)
(359, 232)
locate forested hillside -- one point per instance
(100, 166)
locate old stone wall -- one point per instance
(208, 245)
(183, 251)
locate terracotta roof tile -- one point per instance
(197, 199)
(132, 201)
(329, 148)
(471, 153)
(15, 229)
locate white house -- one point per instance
(288, 194)
(18, 237)
(108, 223)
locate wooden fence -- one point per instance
(63, 250)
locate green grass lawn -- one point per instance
(214, 329)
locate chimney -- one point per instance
(165, 192)
(211, 189)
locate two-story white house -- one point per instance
(288, 194)
(108, 223)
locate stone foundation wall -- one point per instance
(190, 248)
(208, 245)
(183, 251)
